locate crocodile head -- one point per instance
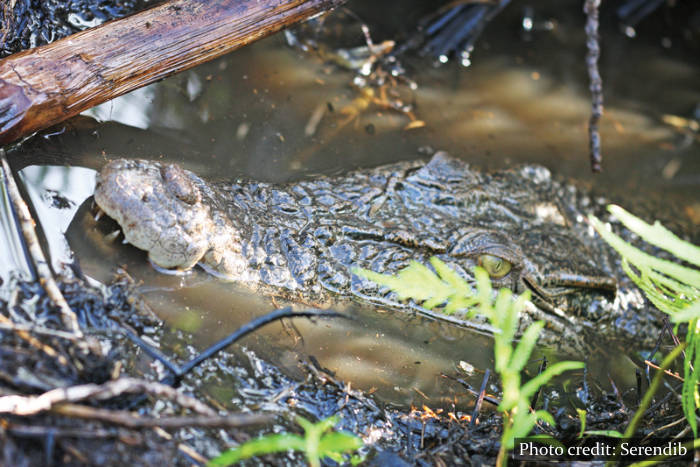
(526, 229)
(168, 212)
(518, 224)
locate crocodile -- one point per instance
(303, 239)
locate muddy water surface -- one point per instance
(248, 114)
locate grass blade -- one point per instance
(658, 235)
(265, 445)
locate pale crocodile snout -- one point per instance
(159, 209)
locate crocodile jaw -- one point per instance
(157, 212)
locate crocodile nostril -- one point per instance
(179, 184)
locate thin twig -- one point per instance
(618, 396)
(194, 455)
(27, 224)
(638, 376)
(30, 405)
(248, 328)
(543, 366)
(127, 419)
(648, 396)
(487, 397)
(590, 7)
(480, 399)
(668, 372)
(664, 329)
(33, 341)
(8, 325)
(662, 428)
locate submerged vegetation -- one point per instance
(419, 283)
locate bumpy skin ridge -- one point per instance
(304, 237)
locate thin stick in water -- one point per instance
(45, 276)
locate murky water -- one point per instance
(249, 114)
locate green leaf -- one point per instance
(531, 387)
(687, 314)
(691, 374)
(582, 416)
(265, 445)
(672, 288)
(339, 442)
(416, 281)
(321, 426)
(421, 284)
(314, 444)
(505, 315)
(448, 275)
(545, 416)
(638, 257)
(523, 424)
(483, 289)
(522, 352)
(658, 235)
(307, 425)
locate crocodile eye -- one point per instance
(495, 266)
(177, 182)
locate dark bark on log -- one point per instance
(44, 86)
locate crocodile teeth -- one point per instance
(110, 237)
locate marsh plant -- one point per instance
(317, 443)
(673, 288)
(445, 287)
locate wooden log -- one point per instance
(46, 85)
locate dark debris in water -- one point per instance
(393, 435)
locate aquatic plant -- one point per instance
(317, 443)
(673, 288)
(446, 287)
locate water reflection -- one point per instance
(14, 260)
(56, 192)
(130, 109)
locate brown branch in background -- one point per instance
(30, 405)
(590, 7)
(36, 431)
(45, 276)
(129, 420)
(46, 85)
